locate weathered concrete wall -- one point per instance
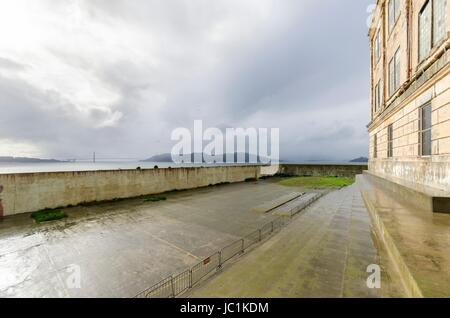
(35, 191)
(432, 172)
(349, 170)
(407, 162)
(269, 170)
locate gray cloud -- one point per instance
(10, 64)
(134, 70)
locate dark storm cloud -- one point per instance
(319, 52)
(157, 65)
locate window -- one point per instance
(377, 48)
(425, 130)
(394, 8)
(375, 99)
(425, 31)
(390, 149)
(397, 7)
(375, 146)
(432, 26)
(397, 69)
(391, 19)
(394, 73)
(391, 78)
(439, 20)
(377, 96)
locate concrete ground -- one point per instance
(324, 252)
(418, 240)
(122, 248)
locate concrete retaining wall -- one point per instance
(322, 170)
(432, 172)
(30, 192)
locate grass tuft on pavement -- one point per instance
(317, 182)
(48, 215)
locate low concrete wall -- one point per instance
(29, 192)
(343, 170)
(431, 172)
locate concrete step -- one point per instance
(271, 205)
(417, 240)
(426, 198)
(295, 206)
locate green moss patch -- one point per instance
(317, 182)
(154, 198)
(48, 215)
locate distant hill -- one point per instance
(26, 160)
(167, 157)
(360, 159)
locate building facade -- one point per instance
(410, 92)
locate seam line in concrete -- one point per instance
(176, 247)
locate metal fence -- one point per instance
(308, 199)
(175, 285)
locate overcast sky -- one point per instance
(117, 76)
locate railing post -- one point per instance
(220, 259)
(173, 287)
(272, 226)
(242, 247)
(260, 235)
(190, 278)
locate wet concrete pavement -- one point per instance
(324, 252)
(122, 248)
(418, 240)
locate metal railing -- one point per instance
(298, 208)
(175, 285)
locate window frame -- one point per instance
(375, 93)
(397, 9)
(420, 39)
(375, 146)
(393, 13)
(397, 69)
(394, 82)
(433, 41)
(390, 141)
(391, 77)
(377, 47)
(423, 130)
(377, 97)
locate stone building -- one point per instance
(410, 93)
